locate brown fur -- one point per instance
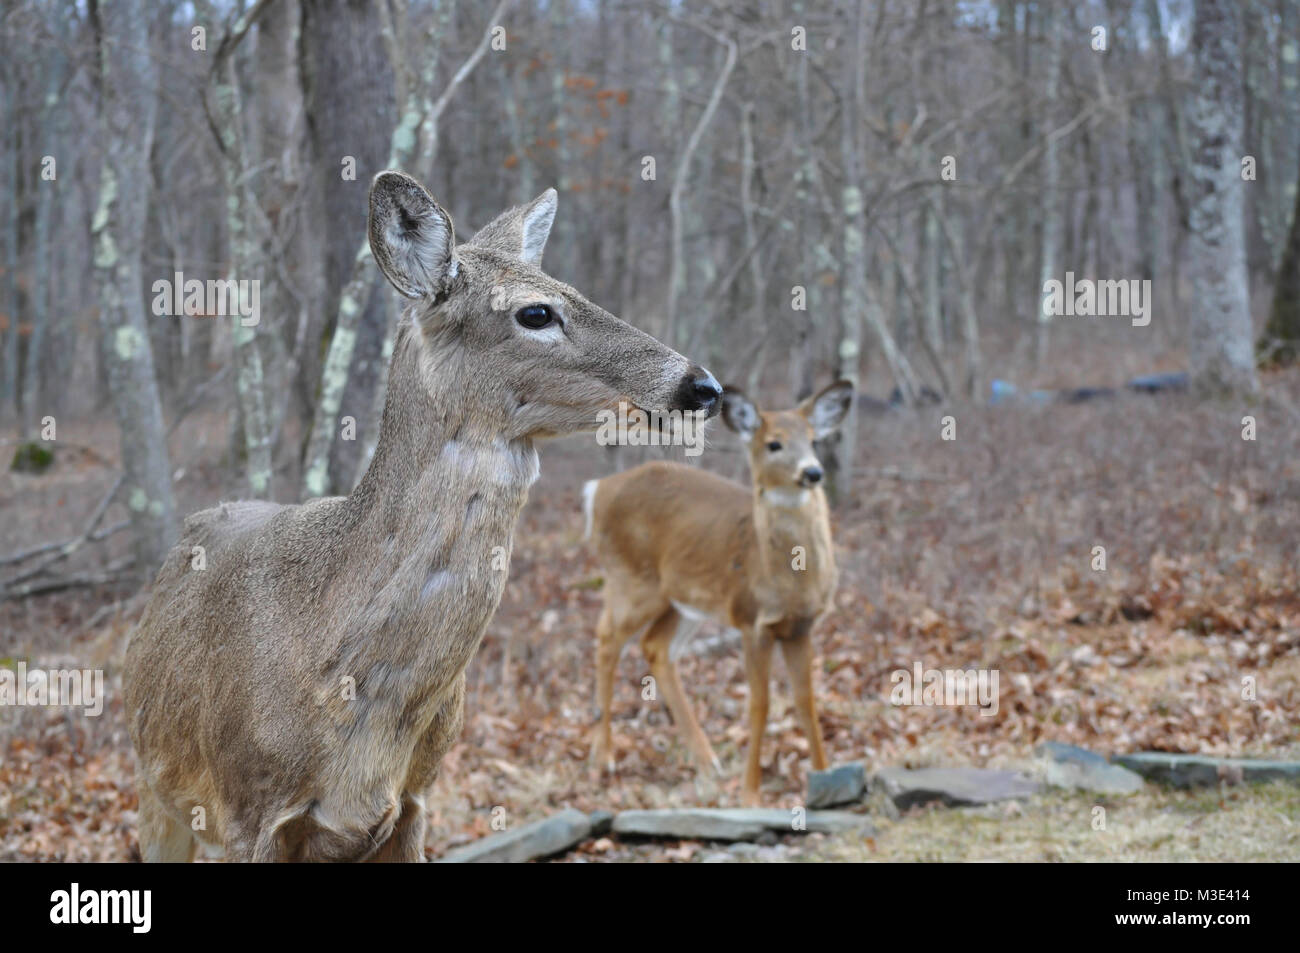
(237, 680)
(669, 535)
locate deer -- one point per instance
(678, 544)
(299, 693)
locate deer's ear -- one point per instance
(521, 232)
(739, 413)
(411, 237)
(827, 410)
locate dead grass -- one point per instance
(1244, 823)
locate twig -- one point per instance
(114, 573)
(893, 473)
(196, 398)
(62, 550)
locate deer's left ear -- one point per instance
(827, 410)
(521, 231)
(539, 215)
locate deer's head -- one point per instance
(780, 442)
(535, 350)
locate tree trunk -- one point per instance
(1051, 235)
(128, 103)
(243, 227)
(1221, 353)
(1281, 341)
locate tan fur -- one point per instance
(669, 535)
(238, 678)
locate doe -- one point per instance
(298, 694)
(678, 544)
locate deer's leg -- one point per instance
(656, 644)
(163, 838)
(406, 844)
(612, 632)
(798, 652)
(758, 672)
(443, 732)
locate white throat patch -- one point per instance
(787, 496)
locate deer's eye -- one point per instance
(535, 316)
(774, 445)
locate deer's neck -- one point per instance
(434, 516)
(795, 552)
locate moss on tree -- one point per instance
(32, 457)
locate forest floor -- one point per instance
(972, 553)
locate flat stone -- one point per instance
(954, 787)
(1191, 770)
(842, 784)
(1068, 766)
(601, 822)
(733, 824)
(551, 835)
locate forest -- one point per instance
(993, 307)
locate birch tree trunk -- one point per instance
(226, 114)
(838, 454)
(128, 81)
(1221, 350)
(1051, 243)
(417, 118)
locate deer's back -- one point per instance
(674, 529)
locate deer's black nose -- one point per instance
(812, 475)
(699, 390)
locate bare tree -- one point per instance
(1220, 345)
(128, 93)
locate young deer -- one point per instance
(680, 543)
(304, 687)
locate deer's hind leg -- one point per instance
(657, 644)
(620, 619)
(163, 838)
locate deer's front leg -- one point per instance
(438, 739)
(406, 844)
(797, 647)
(758, 671)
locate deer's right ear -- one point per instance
(739, 413)
(411, 237)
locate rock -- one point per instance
(1068, 766)
(842, 784)
(717, 857)
(602, 822)
(551, 835)
(953, 787)
(732, 824)
(1190, 770)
